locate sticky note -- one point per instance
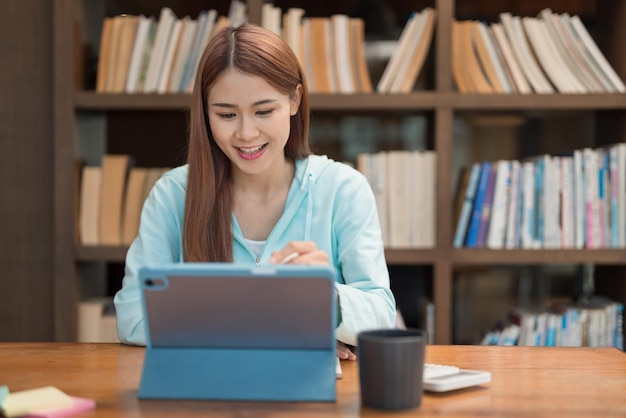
(79, 405)
(4, 392)
(26, 401)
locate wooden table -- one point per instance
(526, 382)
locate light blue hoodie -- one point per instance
(329, 203)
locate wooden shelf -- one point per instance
(100, 253)
(501, 257)
(423, 100)
(89, 100)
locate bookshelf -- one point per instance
(441, 101)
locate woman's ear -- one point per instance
(296, 99)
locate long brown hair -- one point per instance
(253, 50)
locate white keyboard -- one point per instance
(443, 377)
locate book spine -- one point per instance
(485, 218)
(472, 233)
(461, 228)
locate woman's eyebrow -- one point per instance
(257, 103)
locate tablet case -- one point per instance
(221, 331)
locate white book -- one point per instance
(567, 202)
(597, 55)
(417, 197)
(343, 66)
(417, 31)
(513, 28)
(237, 13)
(170, 51)
(187, 36)
(514, 204)
(528, 218)
(430, 196)
(293, 32)
(398, 191)
(164, 29)
(548, 55)
(307, 67)
(621, 194)
(521, 83)
(592, 204)
(139, 46)
(499, 210)
(270, 18)
(495, 57)
(589, 63)
(560, 41)
(391, 69)
(579, 200)
(200, 43)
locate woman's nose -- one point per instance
(247, 129)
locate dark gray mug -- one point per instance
(391, 366)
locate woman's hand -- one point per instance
(300, 252)
(344, 353)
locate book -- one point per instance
(341, 48)
(133, 203)
(357, 51)
(89, 210)
(486, 59)
(26, 401)
(406, 78)
(167, 18)
(464, 216)
(126, 40)
(513, 28)
(512, 64)
(103, 54)
(391, 69)
(96, 321)
(500, 210)
(191, 29)
(486, 215)
(173, 45)
(471, 240)
(139, 46)
(114, 171)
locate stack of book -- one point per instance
(111, 199)
(565, 201)
(545, 54)
(403, 183)
(596, 322)
(140, 54)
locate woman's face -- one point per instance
(250, 121)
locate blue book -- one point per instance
(485, 215)
(539, 202)
(615, 183)
(472, 234)
(466, 209)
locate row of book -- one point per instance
(567, 201)
(140, 54)
(596, 322)
(403, 183)
(332, 50)
(111, 199)
(545, 54)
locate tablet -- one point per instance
(221, 331)
(222, 305)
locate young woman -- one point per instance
(253, 193)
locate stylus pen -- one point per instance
(289, 257)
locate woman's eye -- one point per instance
(264, 112)
(227, 115)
